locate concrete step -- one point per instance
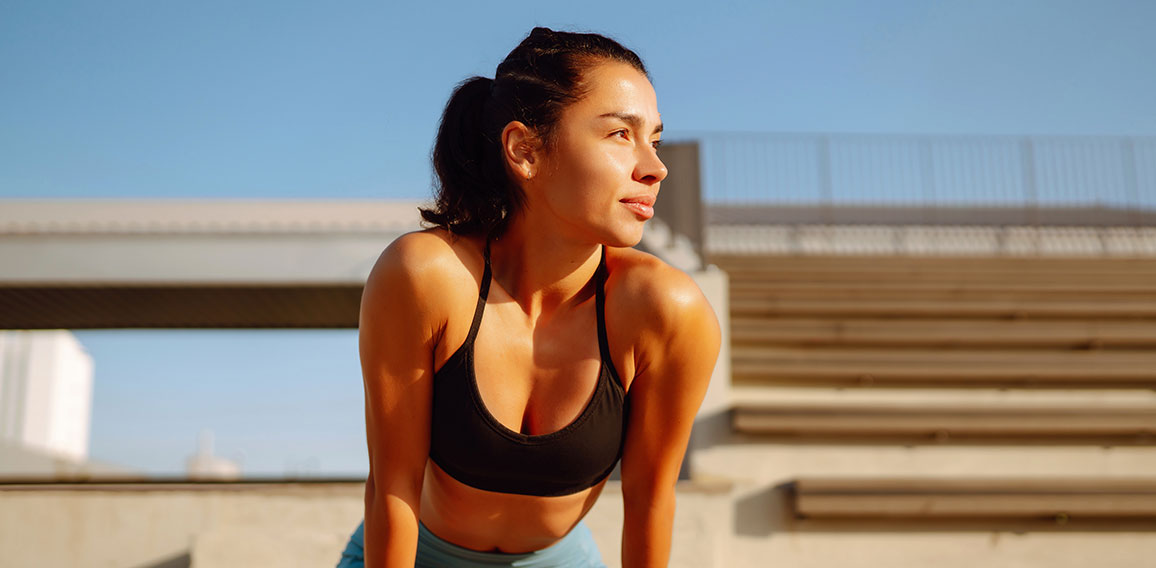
(1101, 290)
(943, 333)
(746, 394)
(899, 268)
(973, 367)
(922, 415)
(959, 308)
(1063, 500)
(948, 423)
(759, 462)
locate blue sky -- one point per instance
(341, 100)
(275, 400)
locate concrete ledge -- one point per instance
(142, 483)
(944, 332)
(1024, 498)
(948, 423)
(257, 484)
(973, 367)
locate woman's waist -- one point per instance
(504, 522)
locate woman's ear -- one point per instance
(520, 150)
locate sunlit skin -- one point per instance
(536, 354)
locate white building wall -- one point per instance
(71, 406)
(14, 354)
(46, 391)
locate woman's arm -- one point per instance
(676, 355)
(398, 329)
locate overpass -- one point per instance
(110, 263)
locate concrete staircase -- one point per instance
(877, 393)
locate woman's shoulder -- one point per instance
(425, 263)
(649, 288)
(429, 252)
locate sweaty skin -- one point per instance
(536, 352)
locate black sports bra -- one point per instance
(467, 442)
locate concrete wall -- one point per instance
(282, 525)
(716, 525)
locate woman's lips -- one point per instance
(641, 206)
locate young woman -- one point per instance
(516, 351)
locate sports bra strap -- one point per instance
(599, 299)
(600, 302)
(482, 294)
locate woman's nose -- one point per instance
(650, 166)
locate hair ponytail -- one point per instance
(475, 194)
(539, 78)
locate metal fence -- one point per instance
(992, 180)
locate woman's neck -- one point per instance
(541, 268)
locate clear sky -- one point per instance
(336, 100)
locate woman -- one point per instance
(516, 351)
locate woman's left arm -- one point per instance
(675, 356)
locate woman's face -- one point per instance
(601, 177)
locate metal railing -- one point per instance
(969, 180)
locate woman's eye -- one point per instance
(624, 133)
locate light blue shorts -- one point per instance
(576, 550)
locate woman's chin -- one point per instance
(627, 237)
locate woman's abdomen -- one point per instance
(498, 522)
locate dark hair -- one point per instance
(536, 81)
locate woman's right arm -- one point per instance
(399, 325)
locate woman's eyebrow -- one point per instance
(633, 120)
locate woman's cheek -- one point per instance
(612, 163)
